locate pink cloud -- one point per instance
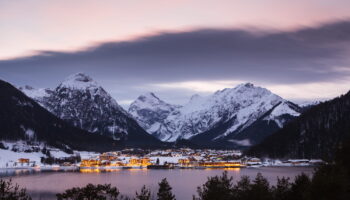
(59, 25)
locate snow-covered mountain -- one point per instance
(82, 102)
(308, 104)
(229, 112)
(35, 93)
(22, 120)
(150, 112)
(240, 116)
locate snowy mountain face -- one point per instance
(150, 112)
(80, 101)
(241, 116)
(284, 108)
(34, 93)
(24, 121)
(231, 110)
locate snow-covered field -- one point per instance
(8, 156)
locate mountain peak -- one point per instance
(147, 100)
(79, 81)
(241, 88)
(150, 112)
(194, 97)
(42, 127)
(250, 89)
(27, 87)
(245, 85)
(79, 77)
(148, 95)
(249, 85)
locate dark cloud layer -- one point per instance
(305, 55)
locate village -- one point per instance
(159, 159)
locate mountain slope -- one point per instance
(317, 133)
(80, 101)
(21, 118)
(231, 114)
(249, 133)
(150, 112)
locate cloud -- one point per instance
(311, 91)
(197, 86)
(198, 60)
(244, 142)
(297, 92)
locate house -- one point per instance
(90, 163)
(139, 162)
(109, 156)
(23, 160)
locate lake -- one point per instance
(44, 185)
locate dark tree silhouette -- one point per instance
(145, 194)
(164, 192)
(2, 146)
(329, 182)
(260, 189)
(90, 192)
(282, 190)
(242, 188)
(217, 187)
(317, 133)
(300, 187)
(10, 191)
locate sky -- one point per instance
(297, 49)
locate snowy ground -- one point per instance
(162, 160)
(8, 157)
(87, 154)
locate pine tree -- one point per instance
(9, 191)
(217, 187)
(164, 192)
(2, 146)
(90, 192)
(260, 189)
(282, 190)
(242, 189)
(145, 194)
(301, 187)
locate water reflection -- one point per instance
(16, 172)
(110, 170)
(90, 170)
(31, 171)
(226, 169)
